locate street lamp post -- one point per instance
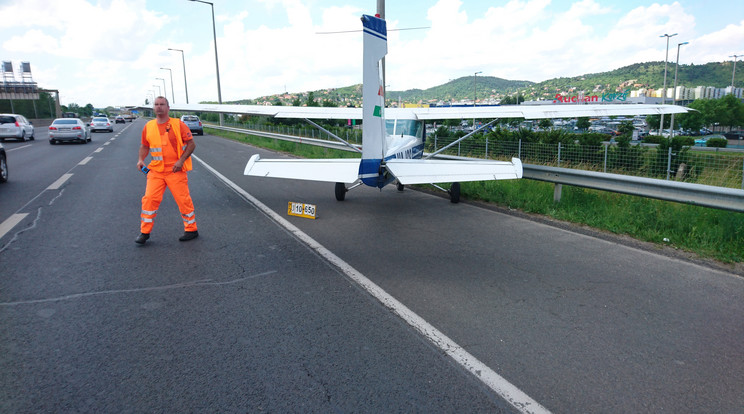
(734, 72)
(185, 85)
(674, 93)
(165, 90)
(216, 61)
(663, 95)
(475, 93)
(173, 95)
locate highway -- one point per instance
(384, 303)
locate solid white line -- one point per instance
(496, 382)
(11, 222)
(57, 184)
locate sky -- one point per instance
(110, 52)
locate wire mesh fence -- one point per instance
(714, 167)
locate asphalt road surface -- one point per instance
(387, 302)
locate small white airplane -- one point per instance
(393, 138)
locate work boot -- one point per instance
(142, 238)
(189, 235)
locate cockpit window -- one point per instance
(398, 127)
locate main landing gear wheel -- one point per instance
(454, 193)
(341, 191)
(400, 187)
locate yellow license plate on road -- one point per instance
(301, 210)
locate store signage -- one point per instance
(580, 98)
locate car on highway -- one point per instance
(3, 165)
(101, 123)
(69, 129)
(15, 126)
(194, 124)
(119, 119)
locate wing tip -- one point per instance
(250, 164)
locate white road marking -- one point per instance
(11, 222)
(57, 184)
(85, 160)
(99, 149)
(17, 148)
(490, 378)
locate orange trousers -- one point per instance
(178, 184)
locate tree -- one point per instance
(729, 111)
(545, 123)
(583, 123)
(311, 99)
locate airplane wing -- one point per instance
(453, 112)
(409, 171)
(277, 111)
(345, 170)
(533, 111)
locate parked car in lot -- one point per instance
(15, 126)
(3, 165)
(194, 124)
(101, 123)
(68, 129)
(120, 119)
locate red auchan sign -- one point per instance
(581, 98)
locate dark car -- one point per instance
(120, 119)
(3, 165)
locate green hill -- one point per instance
(632, 77)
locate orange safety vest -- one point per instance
(156, 148)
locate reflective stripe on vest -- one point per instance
(152, 134)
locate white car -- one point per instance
(68, 129)
(15, 126)
(101, 123)
(194, 124)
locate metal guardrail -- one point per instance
(680, 192)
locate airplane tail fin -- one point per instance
(373, 99)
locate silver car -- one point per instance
(15, 126)
(194, 124)
(68, 129)
(101, 123)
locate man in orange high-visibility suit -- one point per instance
(170, 144)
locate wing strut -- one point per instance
(459, 140)
(343, 141)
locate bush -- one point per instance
(716, 142)
(681, 141)
(653, 139)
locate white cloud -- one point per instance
(111, 51)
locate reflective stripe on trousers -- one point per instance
(178, 184)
